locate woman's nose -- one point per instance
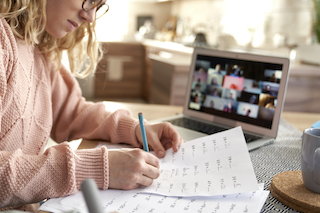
(89, 16)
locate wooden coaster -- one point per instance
(288, 188)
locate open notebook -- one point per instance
(229, 89)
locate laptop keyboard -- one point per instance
(205, 128)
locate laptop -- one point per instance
(229, 89)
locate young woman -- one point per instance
(40, 98)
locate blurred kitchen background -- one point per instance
(149, 45)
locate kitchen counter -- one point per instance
(299, 69)
(168, 46)
(176, 54)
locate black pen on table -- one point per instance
(143, 133)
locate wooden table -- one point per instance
(299, 120)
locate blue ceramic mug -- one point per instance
(310, 159)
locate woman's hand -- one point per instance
(131, 168)
(160, 136)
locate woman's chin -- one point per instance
(59, 34)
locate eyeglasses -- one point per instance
(102, 8)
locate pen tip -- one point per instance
(140, 113)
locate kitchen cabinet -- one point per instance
(169, 64)
(303, 89)
(121, 72)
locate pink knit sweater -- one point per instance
(37, 102)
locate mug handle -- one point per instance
(316, 166)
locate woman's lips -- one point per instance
(72, 25)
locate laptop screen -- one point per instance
(239, 89)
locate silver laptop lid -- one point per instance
(235, 89)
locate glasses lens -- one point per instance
(101, 10)
(90, 4)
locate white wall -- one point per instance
(113, 25)
(250, 22)
(120, 22)
(258, 23)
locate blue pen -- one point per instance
(143, 133)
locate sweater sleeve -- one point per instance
(58, 172)
(74, 117)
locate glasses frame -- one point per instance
(98, 6)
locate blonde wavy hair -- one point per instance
(27, 19)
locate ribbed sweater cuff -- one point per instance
(92, 163)
(126, 131)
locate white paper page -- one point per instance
(54, 205)
(212, 165)
(132, 201)
(244, 202)
(263, 200)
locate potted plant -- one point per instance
(316, 22)
(310, 53)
